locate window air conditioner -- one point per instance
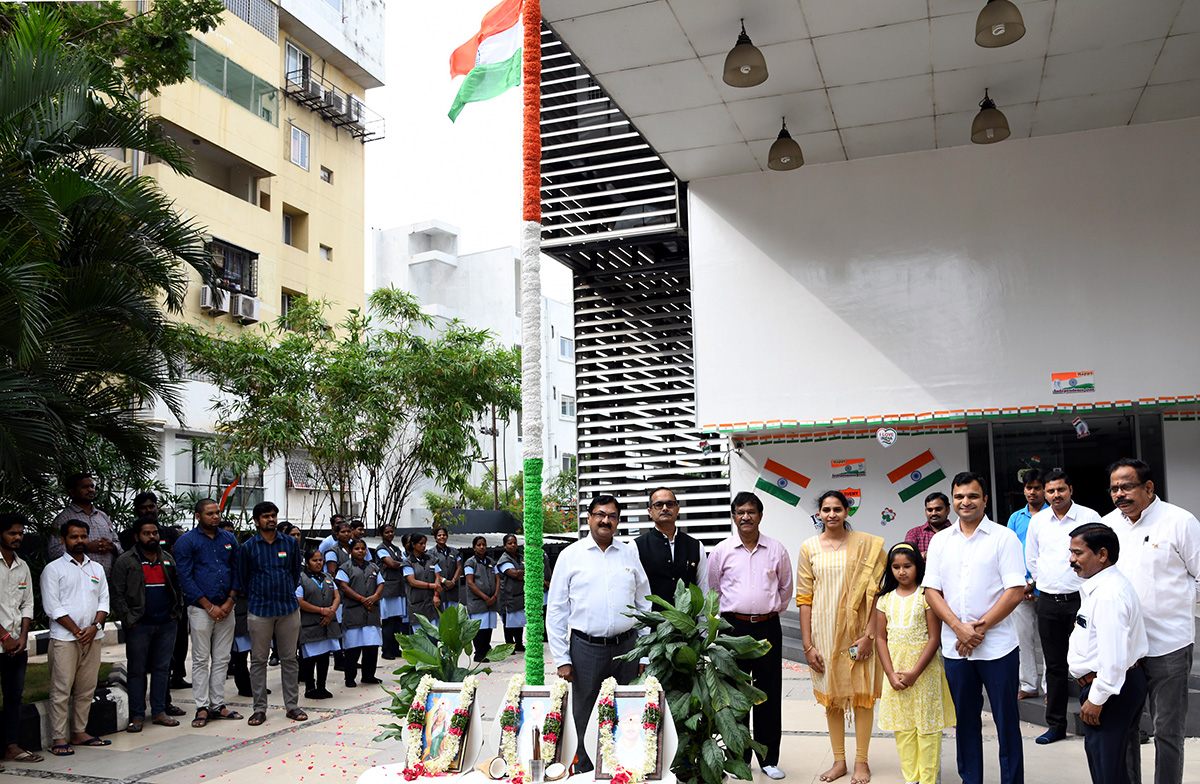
(314, 90)
(245, 309)
(214, 300)
(354, 112)
(336, 101)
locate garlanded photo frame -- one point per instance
(536, 706)
(631, 719)
(439, 725)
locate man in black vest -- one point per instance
(669, 555)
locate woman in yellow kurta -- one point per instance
(836, 583)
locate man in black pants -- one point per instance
(669, 555)
(1047, 552)
(1106, 648)
(596, 581)
(752, 573)
(16, 615)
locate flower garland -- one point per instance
(651, 718)
(416, 725)
(552, 731)
(510, 719)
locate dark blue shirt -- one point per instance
(267, 575)
(205, 565)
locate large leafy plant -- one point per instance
(709, 695)
(437, 651)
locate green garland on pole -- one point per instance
(534, 619)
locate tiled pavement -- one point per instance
(337, 744)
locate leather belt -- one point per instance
(616, 639)
(754, 618)
(1086, 680)
(1060, 597)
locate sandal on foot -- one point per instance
(221, 712)
(165, 721)
(257, 718)
(135, 725)
(295, 714)
(25, 756)
(95, 742)
(62, 750)
(200, 721)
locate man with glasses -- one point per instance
(1160, 554)
(596, 581)
(669, 555)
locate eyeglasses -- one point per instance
(1125, 488)
(605, 516)
(664, 505)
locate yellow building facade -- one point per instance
(275, 119)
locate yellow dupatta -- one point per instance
(855, 683)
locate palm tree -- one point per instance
(92, 261)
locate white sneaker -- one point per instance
(773, 772)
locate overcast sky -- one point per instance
(466, 173)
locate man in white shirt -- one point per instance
(974, 578)
(595, 582)
(1160, 554)
(1106, 647)
(1048, 557)
(1025, 616)
(75, 597)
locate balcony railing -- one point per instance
(339, 108)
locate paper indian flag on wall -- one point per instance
(917, 475)
(782, 482)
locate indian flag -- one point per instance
(782, 482)
(491, 59)
(917, 475)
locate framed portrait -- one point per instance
(629, 736)
(440, 705)
(535, 706)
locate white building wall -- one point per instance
(481, 290)
(950, 279)
(1181, 443)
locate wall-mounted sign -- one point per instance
(1070, 383)
(853, 467)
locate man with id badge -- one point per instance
(1105, 651)
(1160, 554)
(268, 571)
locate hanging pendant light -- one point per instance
(785, 153)
(990, 125)
(745, 66)
(999, 24)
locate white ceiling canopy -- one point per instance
(860, 79)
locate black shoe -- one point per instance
(387, 657)
(273, 661)
(323, 694)
(173, 710)
(350, 684)
(1049, 736)
(180, 684)
(245, 693)
(371, 680)
(311, 694)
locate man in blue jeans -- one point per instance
(147, 598)
(974, 579)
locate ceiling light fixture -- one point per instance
(785, 153)
(999, 24)
(990, 125)
(745, 66)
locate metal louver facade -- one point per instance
(613, 212)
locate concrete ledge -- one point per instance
(39, 641)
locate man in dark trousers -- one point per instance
(147, 598)
(669, 555)
(1106, 649)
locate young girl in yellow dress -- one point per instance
(917, 706)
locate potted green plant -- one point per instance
(708, 694)
(437, 651)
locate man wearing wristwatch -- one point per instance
(75, 597)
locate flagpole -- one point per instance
(531, 336)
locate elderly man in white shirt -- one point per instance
(75, 597)
(1048, 557)
(1160, 554)
(1105, 651)
(974, 579)
(595, 582)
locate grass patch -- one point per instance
(37, 681)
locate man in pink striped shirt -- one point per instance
(752, 574)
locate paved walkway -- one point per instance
(337, 744)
